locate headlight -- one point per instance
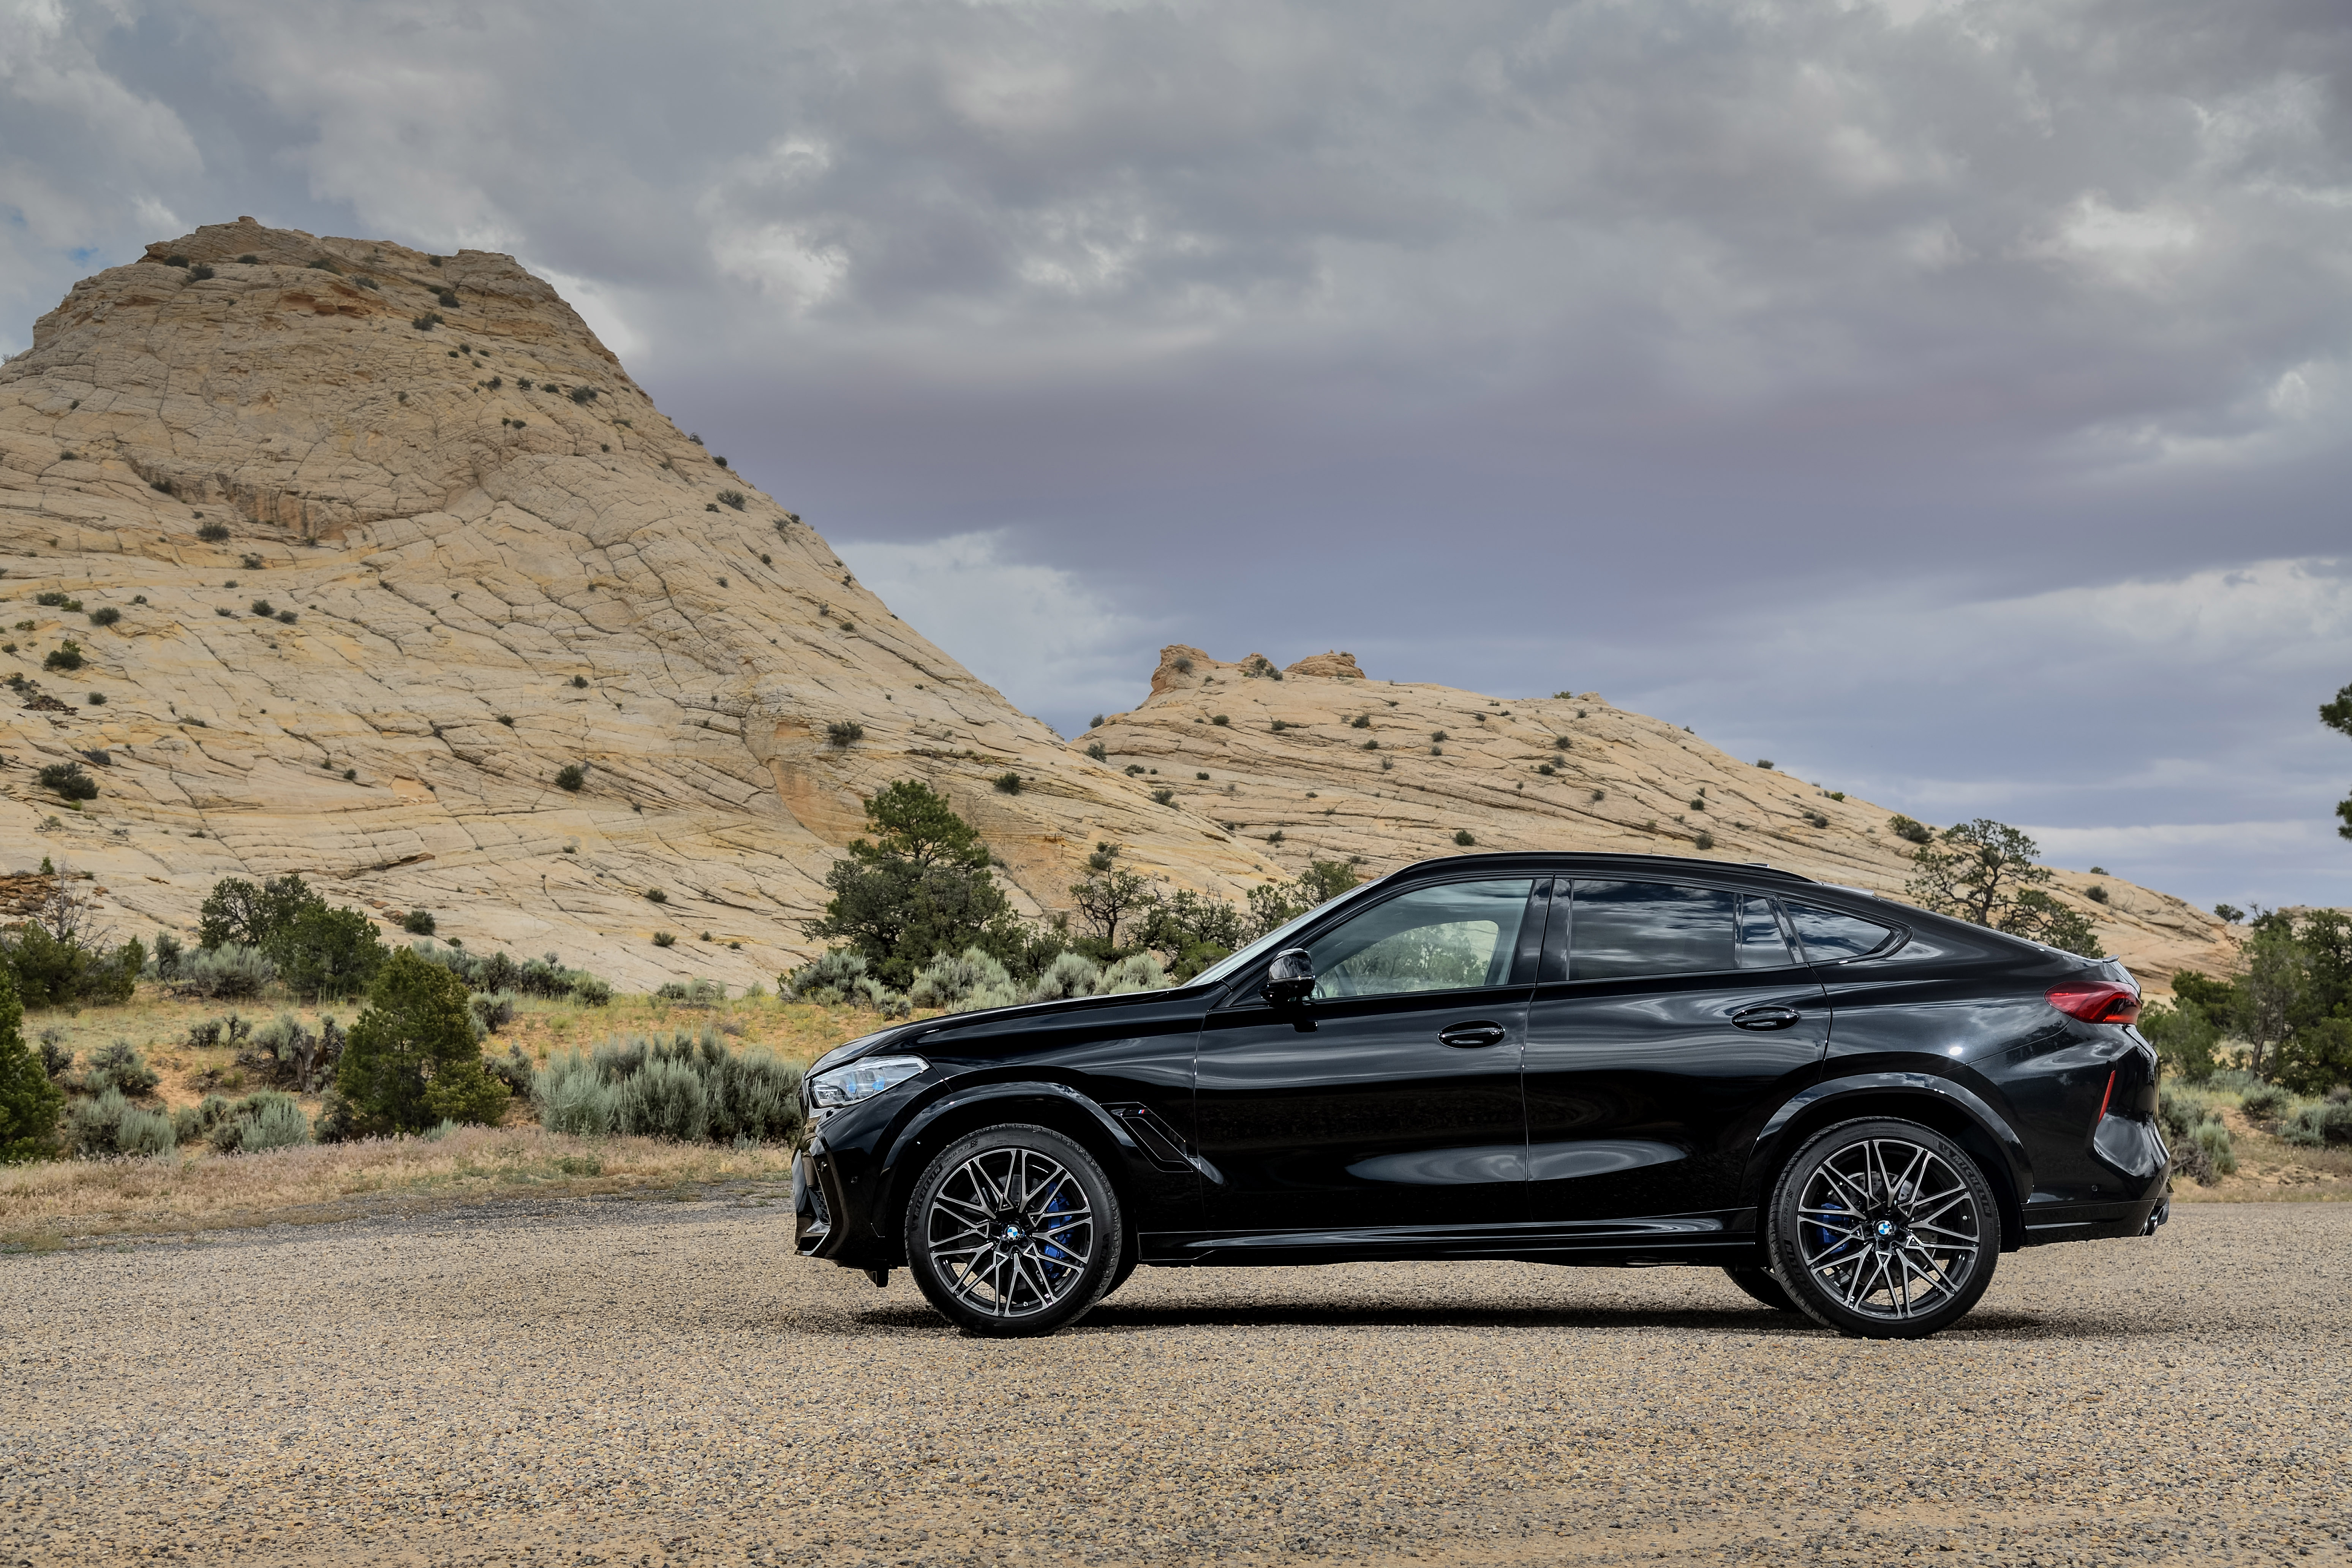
(862, 1080)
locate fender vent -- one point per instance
(1158, 1141)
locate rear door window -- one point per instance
(1831, 936)
(1619, 930)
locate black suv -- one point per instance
(1851, 1107)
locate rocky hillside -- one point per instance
(1317, 762)
(350, 552)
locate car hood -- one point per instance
(904, 1036)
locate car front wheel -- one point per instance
(1013, 1231)
(1883, 1229)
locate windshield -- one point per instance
(1275, 939)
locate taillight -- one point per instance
(2099, 1001)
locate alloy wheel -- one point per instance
(1011, 1232)
(1889, 1230)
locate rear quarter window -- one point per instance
(1832, 936)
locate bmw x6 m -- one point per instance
(1851, 1107)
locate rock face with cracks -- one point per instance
(361, 549)
(1316, 761)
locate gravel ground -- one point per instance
(643, 1382)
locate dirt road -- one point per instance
(663, 1382)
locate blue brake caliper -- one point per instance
(1060, 1205)
(1830, 1238)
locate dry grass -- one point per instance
(158, 1024)
(61, 1201)
(57, 1201)
(2272, 1171)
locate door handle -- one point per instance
(1470, 1036)
(1772, 1018)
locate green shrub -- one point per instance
(832, 978)
(29, 1102)
(2267, 1102)
(119, 1066)
(288, 1053)
(2095, 893)
(69, 780)
(731, 498)
(844, 732)
(493, 1010)
(2213, 1139)
(663, 1099)
(665, 937)
(418, 922)
(56, 1057)
(963, 983)
(1163, 796)
(105, 615)
(1704, 842)
(212, 533)
(56, 969)
(413, 1058)
(226, 972)
(1360, 721)
(1070, 975)
(1007, 782)
(571, 1096)
(109, 1125)
(427, 322)
(266, 1118)
(1545, 769)
(2324, 1123)
(1220, 718)
(1096, 750)
(1462, 835)
(1911, 832)
(326, 952)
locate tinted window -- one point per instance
(1830, 936)
(1650, 928)
(1433, 939)
(1761, 944)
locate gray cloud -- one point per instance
(1893, 386)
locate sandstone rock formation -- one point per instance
(1317, 762)
(382, 542)
(361, 549)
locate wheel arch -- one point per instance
(1932, 1102)
(1042, 1103)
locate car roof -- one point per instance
(1557, 860)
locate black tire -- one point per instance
(1761, 1284)
(1128, 1260)
(1883, 1229)
(1013, 1231)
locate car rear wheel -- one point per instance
(1760, 1283)
(1013, 1231)
(1883, 1229)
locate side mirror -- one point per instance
(1290, 979)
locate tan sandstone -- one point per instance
(501, 559)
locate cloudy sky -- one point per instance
(1948, 401)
